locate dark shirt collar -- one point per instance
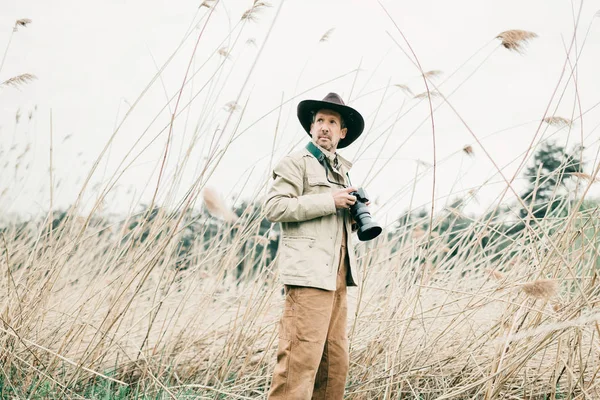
(335, 159)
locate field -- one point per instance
(181, 299)
(91, 309)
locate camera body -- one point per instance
(367, 228)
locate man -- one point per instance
(311, 198)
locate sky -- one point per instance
(110, 74)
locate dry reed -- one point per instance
(515, 40)
(19, 80)
(223, 52)
(257, 8)
(541, 288)
(558, 121)
(424, 95)
(21, 22)
(327, 35)
(405, 89)
(216, 205)
(231, 106)
(207, 4)
(432, 74)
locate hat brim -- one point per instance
(352, 119)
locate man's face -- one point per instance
(326, 130)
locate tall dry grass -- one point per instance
(427, 320)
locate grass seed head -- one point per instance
(541, 289)
(424, 95)
(516, 39)
(232, 106)
(404, 88)
(224, 52)
(207, 4)
(251, 14)
(435, 73)
(326, 35)
(21, 22)
(558, 121)
(19, 80)
(216, 205)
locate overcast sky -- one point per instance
(95, 64)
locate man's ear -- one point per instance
(343, 133)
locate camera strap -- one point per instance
(318, 154)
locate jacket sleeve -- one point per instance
(285, 201)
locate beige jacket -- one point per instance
(300, 198)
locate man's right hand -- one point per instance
(343, 198)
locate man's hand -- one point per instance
(342, 197)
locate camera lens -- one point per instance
(367, 228)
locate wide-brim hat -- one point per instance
(352, 119)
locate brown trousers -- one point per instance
(312, 356)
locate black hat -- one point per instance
(352, 119)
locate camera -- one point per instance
(367, 228)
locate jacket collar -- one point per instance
(332, 156)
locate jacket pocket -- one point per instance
(296, 255)
(316, 180)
